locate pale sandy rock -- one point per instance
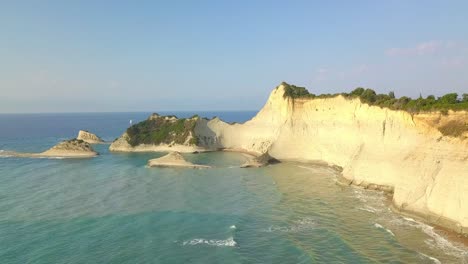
(174, 159)
(89, 137)
(121, 145)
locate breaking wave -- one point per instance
(382, 227)
(434, 260)
(211, 242)
(436, 240)
(297, 226)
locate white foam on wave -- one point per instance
(5, 154)
(434, 260)
(386, 229)
(211, 242)
(233, 227)
(305, 167)
(300, 225)
(436, 240)
(369, 209)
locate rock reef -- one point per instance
(74, 148)
(414, 156)
(174, 159)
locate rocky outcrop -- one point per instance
(159, 134)
(89, 137)
(174, 159)
(413, 155)
(74, 148)
(259, 161)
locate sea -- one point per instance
(115, 209)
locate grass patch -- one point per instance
(454, 128)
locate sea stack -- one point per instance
(89, 137)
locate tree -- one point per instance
(358, 91)
(392, 95)
(465, 98)
(450, 98)
(368, 95)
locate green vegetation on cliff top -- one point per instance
(162, 130)
(430, 103)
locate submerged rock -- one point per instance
(260, 161)
(174, 159)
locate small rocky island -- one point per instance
(174, 159)
(73, 148)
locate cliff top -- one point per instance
(450, 101)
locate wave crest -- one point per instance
(211, 242)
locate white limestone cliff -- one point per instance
(376, 148)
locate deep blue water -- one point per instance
(113, 209)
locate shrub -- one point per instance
(453, 128)
(465, 98)
(450, 98)
(369, 96)
(157, 130)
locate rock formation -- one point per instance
(89, 137)
(174, 159)
(259, 161)
(411, 154)
(159, 134)
(74, 148)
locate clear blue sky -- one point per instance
(75, 56)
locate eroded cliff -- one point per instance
(408, 154)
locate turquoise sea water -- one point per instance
(113, 209)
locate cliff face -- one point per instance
(375, 147)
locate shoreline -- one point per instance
(453, 230)
(42, 155)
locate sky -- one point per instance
(119, 56)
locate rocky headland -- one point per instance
(421, 157)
